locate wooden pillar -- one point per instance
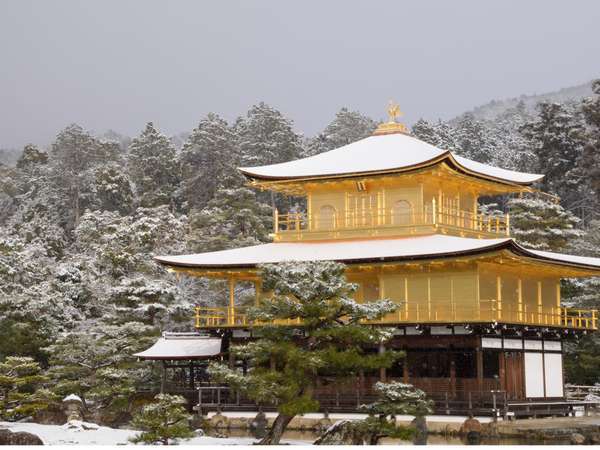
(502, 370)
(230, 316)
(405, 371)
(191, 367)
(479, 357)
(382, 371)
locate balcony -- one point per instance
(369, 222)
(427, 313)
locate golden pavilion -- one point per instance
(478, 313)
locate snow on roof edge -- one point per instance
(386, 154)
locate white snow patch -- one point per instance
(60, 435)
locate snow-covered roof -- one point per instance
(364, 250)
(345, 251)
(183, 346)
(382, 153)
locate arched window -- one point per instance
(402, 213)
(326, 217)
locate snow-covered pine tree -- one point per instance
(287, 361)
(393, 399)
(153, 167)
(267, 137)
(74, 153)
(473, 139)
(438, 134)
(32, 156)
(512, 150)
(208, 158)
(542, 224)
(95, 362)
(118, 251)
(164, 421)
(235, 217)
(22, 391)
(590, 162)
(556, 137)
(347, 127)
(112, 189)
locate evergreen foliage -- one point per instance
(556, 137)
(394, 399)
(208, 160)
(331, 343)
(542, 224)
(266, 137)
(21, 388)
(163, 422)
(347, 127)
(235, 217)
(96, 364)
(153, 167)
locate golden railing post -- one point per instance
(433, 209)
(507, 224)
(230, 315)
(594, 319)
(197, 316)
(275, 220)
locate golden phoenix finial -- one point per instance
(393, 111)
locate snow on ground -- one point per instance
(61, 435)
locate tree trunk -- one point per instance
(273, 436)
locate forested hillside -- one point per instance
(81, 220)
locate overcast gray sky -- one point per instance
(118, 64)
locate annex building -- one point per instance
(479, 315)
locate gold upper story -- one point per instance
(436, 200)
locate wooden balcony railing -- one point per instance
(422, 312)
(379, 219)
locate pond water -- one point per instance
(307, 437)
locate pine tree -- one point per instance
(112, 189)
(96, 363)
(542, 224)
(31, 156)
(440, 134)
(165, 421)
(208, 158)
(74, 153)
(473, 139)
(21, 388)
(557, 140)
(153, 167)
(286, 362)
(393, 399)
(590, 161)
(347, 127)
(233, 218)
(267, 137)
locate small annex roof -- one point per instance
(173, 346)
(366, 250)
(381, 154)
